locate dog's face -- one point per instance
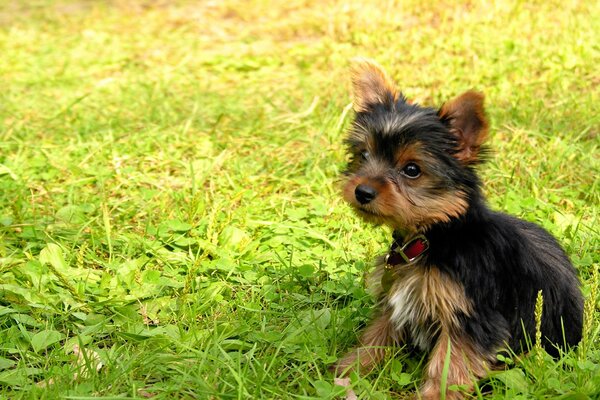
(410, 165)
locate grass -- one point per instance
(170, 217)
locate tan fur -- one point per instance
(405, 154)
(421, 304)
(443, 298)
(371, 84)
(468, 122)
(412, 209)
(372, 347)
(406, 207)
(466, 366)
(425, 301)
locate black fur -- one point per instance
(503, 262)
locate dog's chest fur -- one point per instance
(422, 301)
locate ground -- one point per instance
(170, 218)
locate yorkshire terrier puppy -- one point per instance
(458, 277)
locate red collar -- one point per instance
(408, 252)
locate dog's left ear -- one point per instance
(465, 116)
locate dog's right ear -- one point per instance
(371, 85)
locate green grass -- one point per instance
(169, 196)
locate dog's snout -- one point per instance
(365, 193)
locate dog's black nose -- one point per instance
(364, 193)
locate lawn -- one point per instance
(171, 224)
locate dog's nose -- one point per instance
(364, 193)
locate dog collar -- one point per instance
(408, 252)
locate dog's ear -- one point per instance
(371, 85)
(465, 116)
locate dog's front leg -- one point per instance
(379, 335)
(466, 365)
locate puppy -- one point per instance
(459, 280)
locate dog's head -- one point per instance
(410, 166)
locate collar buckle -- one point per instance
(409, 252)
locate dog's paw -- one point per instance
(345, 382)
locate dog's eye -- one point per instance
(411, 170)
(364, 155)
